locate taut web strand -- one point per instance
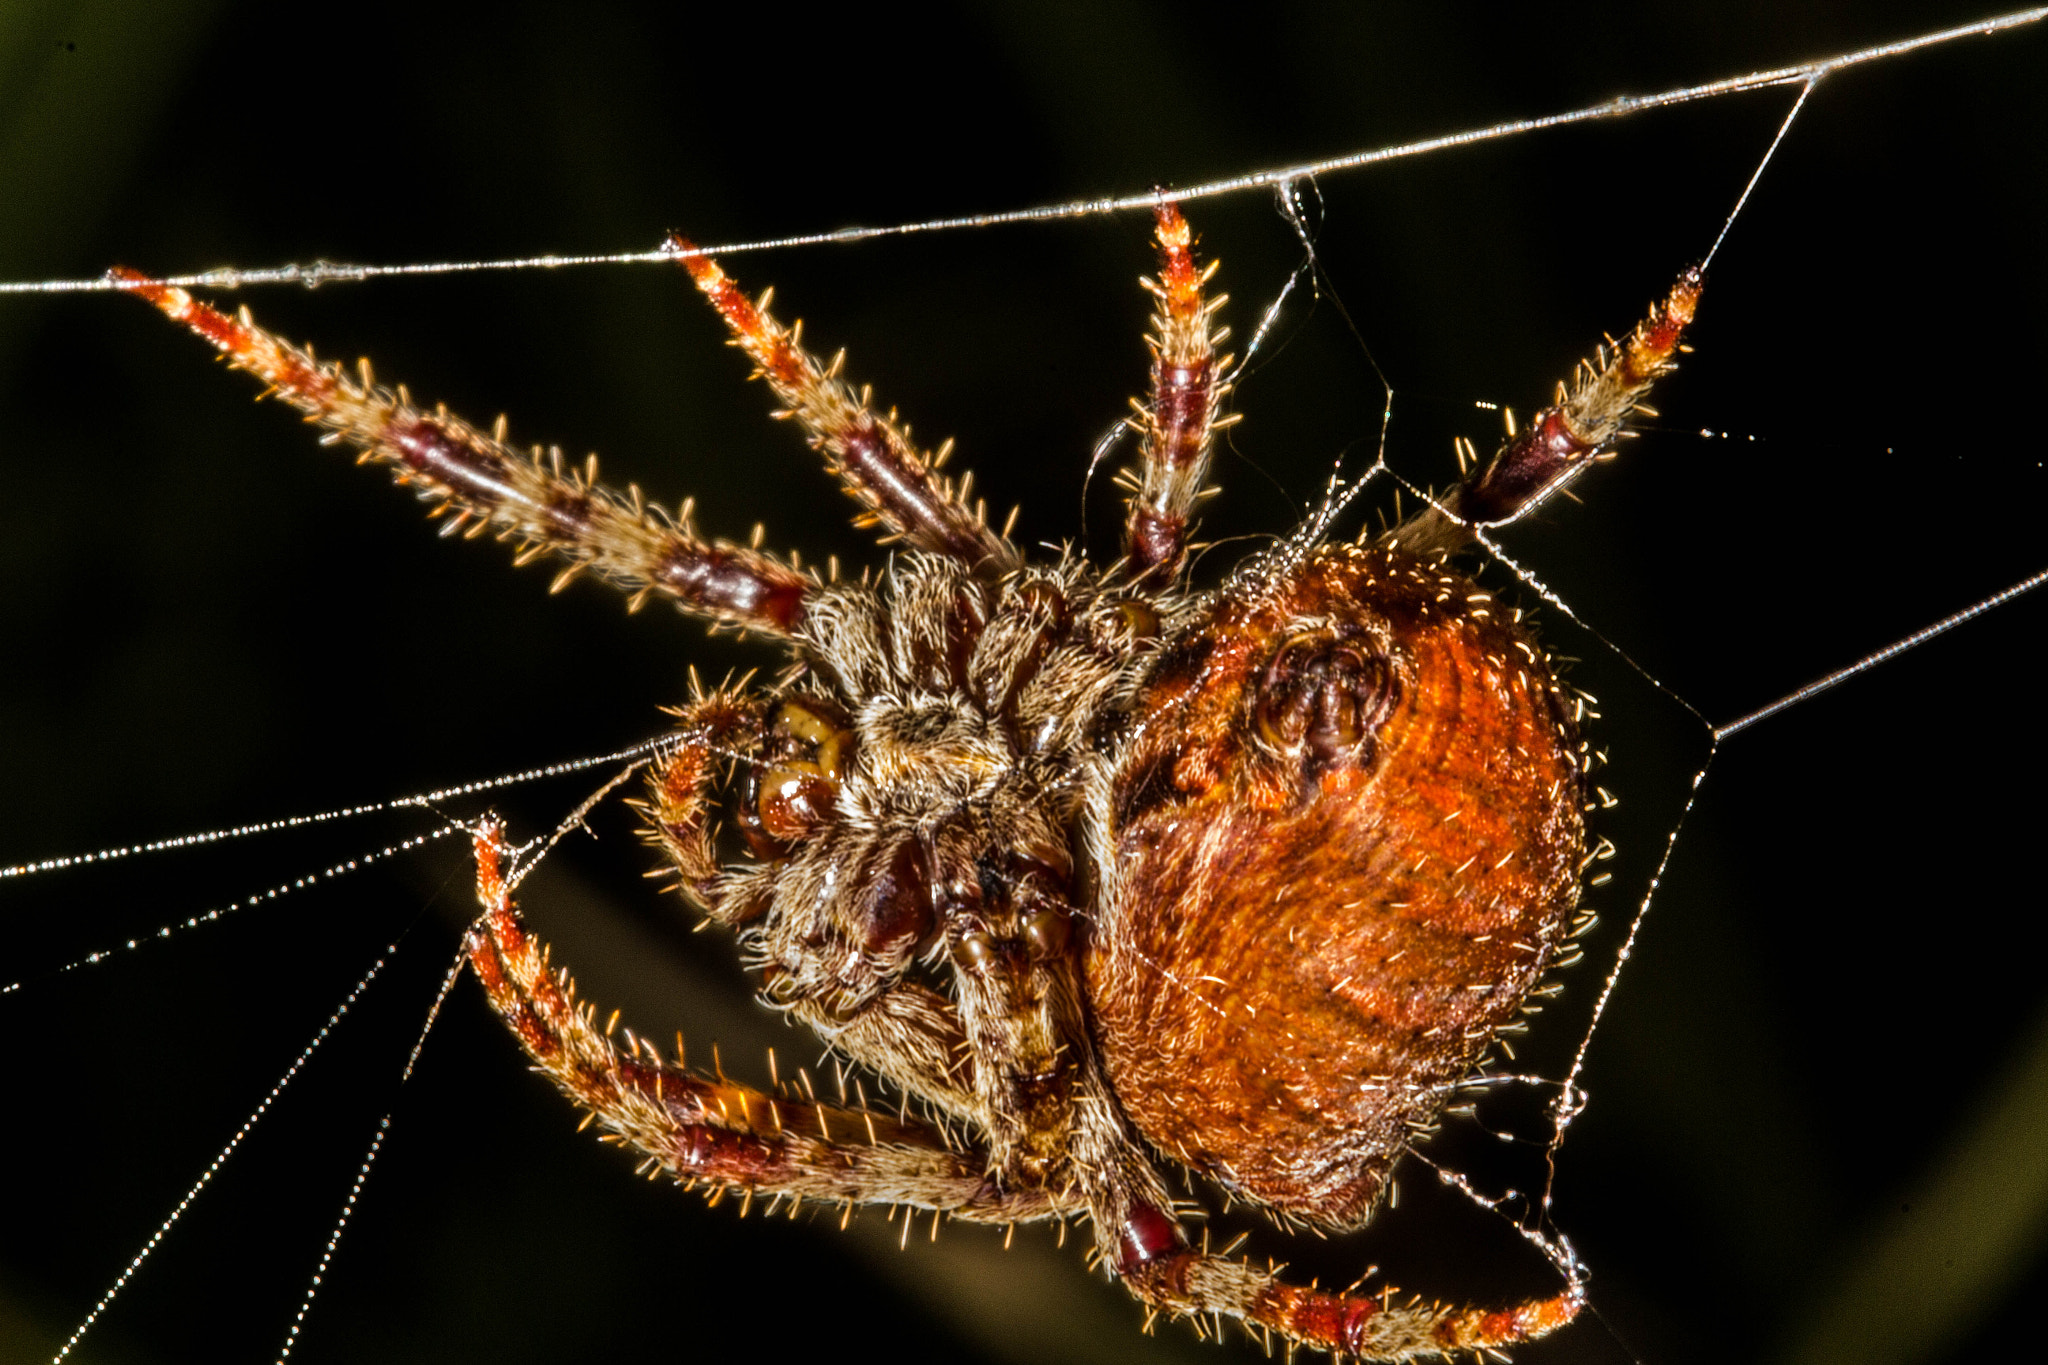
(213, 1167)
(355, 1189)
(423, 800)
(1876, 657)
(219, 912)
(1804, 73)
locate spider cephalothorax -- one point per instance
(1107, 871)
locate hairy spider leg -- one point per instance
(1177, 427)
(528, 499)
(1564, 440)
(1369, 1327)
(1383, 1326)
(707, 1129)
(870, 454)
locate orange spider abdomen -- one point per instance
(1346, 831)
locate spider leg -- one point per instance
(1177, 427)
(1565, 439)
(1155, 1262)
(710, 1129)
(870, 454)
(488, 485)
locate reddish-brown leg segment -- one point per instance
(709, 1129)
(1563, 440)
(488, 486)
(870, 454)
(1177, 428)
(1367, 1326)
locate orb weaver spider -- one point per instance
(1100, 870)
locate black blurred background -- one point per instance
(1816, 1100)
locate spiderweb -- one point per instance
(211, 623)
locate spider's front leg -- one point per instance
(868, 452)
(481, 483)
(707, 1129)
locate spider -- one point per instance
(1108, 872)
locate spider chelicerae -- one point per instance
(1107, 871)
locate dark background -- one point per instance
(1814, 1101)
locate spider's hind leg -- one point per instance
(1160, 1268)
(1563, 440)
(1177, 428)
